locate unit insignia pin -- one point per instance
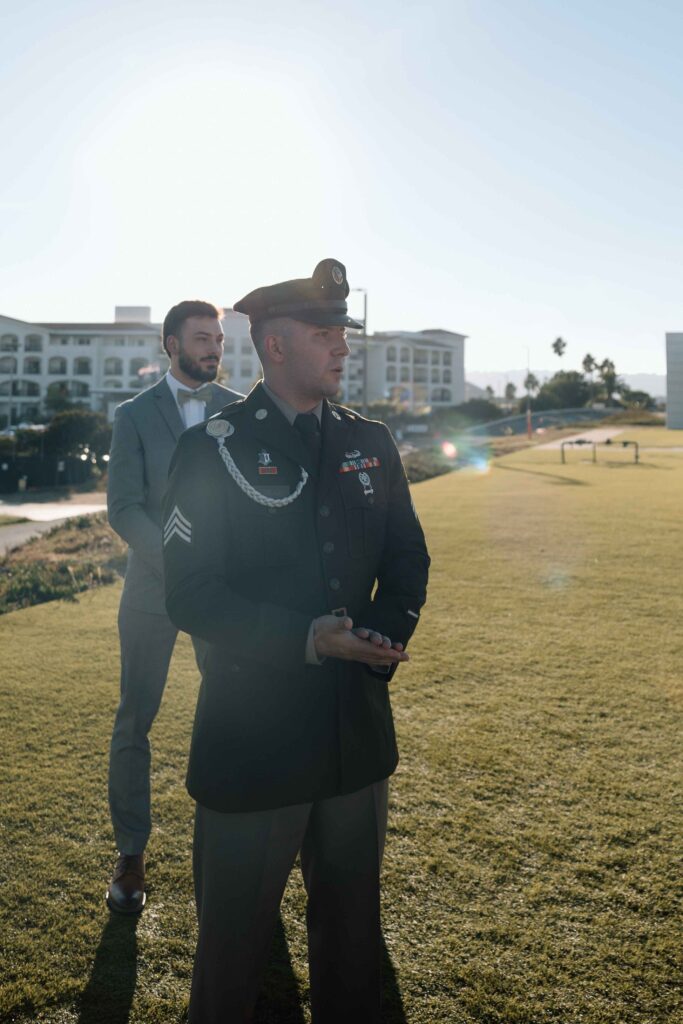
(355, 454)
(337, 275)
(265, 464)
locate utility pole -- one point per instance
(364, 406)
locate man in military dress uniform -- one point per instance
(292, 546)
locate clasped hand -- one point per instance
(336, 637)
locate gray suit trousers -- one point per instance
(147, 641)
(241, 866)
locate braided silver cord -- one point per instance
(250, 491)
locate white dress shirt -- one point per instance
(191, 412)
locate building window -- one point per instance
(246, 348)
(25, 388)
(68, 389)
(391, 354)
(420, 357)
(405, 356)
(33, 343)
(420, 374)
(229, 367)
(229, 346)
(32, 365)
(441, 395)
(391, 374)
(8, 364)
(136, 365)
(435, 374)
(117, 342)
(82, 366)
(135, 383)
(83, 341)
(405, 374)
(112, 384)
(9, 343)
(246, 369)
(447, 357)
(434, 356)
(446, 376)
(57, 364)
(114, 366)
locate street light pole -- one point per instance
(364, 406)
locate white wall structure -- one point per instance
(674, 381)
(103, 364)
(416, 369)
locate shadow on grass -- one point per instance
(280, 1000)
(549, 476)
(392, 1003)
(108, 996)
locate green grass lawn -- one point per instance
(11, 520)
(534, 861)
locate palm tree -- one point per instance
(608, 375)
(531, 383)
(559, 346)
(590, 365)
(510, 392)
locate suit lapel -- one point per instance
(168, 409)
(218, 401)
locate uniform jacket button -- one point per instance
(324, 510)
(334, 583)
(328, 547)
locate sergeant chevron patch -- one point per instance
(177, 525)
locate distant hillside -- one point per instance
(653, 383)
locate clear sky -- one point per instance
(509, 170)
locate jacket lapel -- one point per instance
(219, 400)
(273, 429)
(168, 409)
(336, 439)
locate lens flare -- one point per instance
(449, 449)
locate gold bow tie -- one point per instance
(202, 394)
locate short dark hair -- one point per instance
(262, 328)
(177, 315)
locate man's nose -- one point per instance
(342, 346)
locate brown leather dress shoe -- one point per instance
(126, 893)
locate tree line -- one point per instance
(599, 383)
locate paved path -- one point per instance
(49, 511)
(598, 436)
(18, 533)
(43, 515)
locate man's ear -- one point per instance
(172, 344)
(274, 348)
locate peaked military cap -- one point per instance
(320, 299)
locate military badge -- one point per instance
(177, 525)
(337, 275)
(353, 464)
(265, 464)
(367, 484)
(219, 428)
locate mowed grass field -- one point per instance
(534, 867)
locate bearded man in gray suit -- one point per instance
(146, 429)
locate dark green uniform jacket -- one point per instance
(249, 578)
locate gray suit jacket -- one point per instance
(146, 430)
